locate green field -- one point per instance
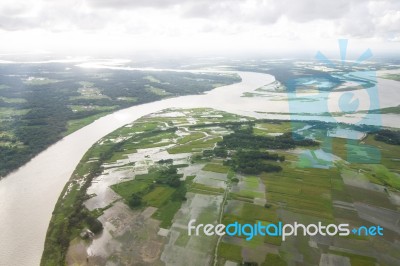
(126, 189)
(217, 168)
(74, 125)
(195, 145)
(230, 252)
(392, 76)
(158, 196)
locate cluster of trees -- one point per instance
(217, 152)
(388, 136)
(253, 162)
(165, 161)
(169, 176)
(10, 158)
(245, 148)
(79, 216)
(258, 155)
(245, 139)
(135, 200)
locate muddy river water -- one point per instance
(28, 196)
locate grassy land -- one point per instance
(193, 136)
(217, 168)
(74, 125)
(152, 79)
(392, 76)
(126, 189)
(251, 182)
(200, 188)
(252, 213)
(279, 127)
(230, 252)
(39, 81)
(387, 110)
(306, 191)
(167, 213)
(357, 260)
(13, 100)
(195, 145)
(6, 113)
(390, 154)
(274, 260)
(158, 196)
(157, 91)
(249, 194)
(381, 171)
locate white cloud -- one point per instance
(193, 24)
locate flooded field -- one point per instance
(315, 184)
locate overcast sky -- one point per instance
(197, 25)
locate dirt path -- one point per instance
(221, 214)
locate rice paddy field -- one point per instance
(319, 183)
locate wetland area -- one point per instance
(313, 183)
(128, 183)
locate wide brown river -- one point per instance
(28, 196)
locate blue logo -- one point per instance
(340, 92)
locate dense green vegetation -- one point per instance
(245, 139)
(253, 162)
(169, 176)
(388, 136)
(39, 104)
(245, 149)
(217, 151)
(387, 110)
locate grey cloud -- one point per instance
(368, 20)
(12, 17)
(300, 11)
(52, 16)
(358, 18)
(120, 4)
(268, 12)
(354, 18)
(207, 8)
(10, 23)
(309, 10)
